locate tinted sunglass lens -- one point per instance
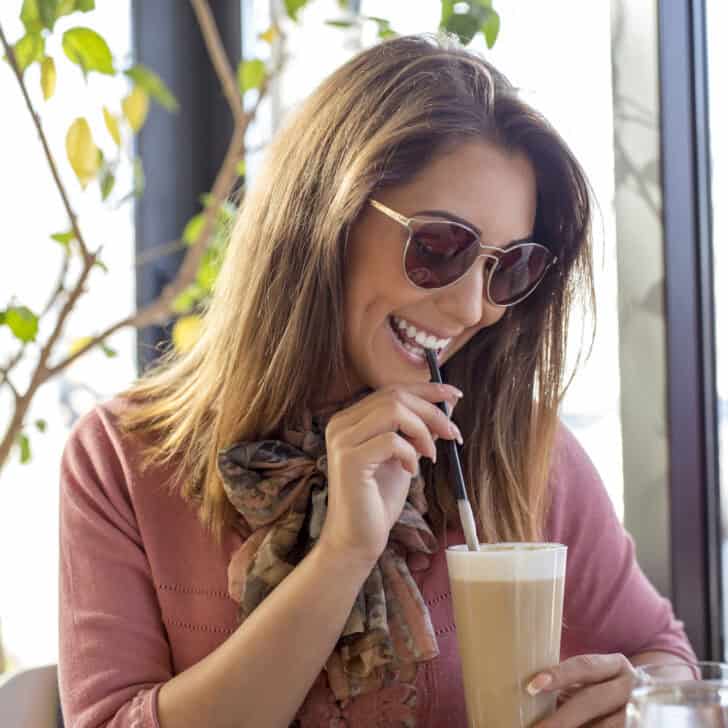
(518, 272)
(439, 253)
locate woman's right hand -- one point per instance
(373, 449)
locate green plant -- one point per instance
(203, 235)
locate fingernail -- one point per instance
(538, 683)
(456, 432)
(450, 390)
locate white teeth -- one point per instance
(416, 350)
(429, 341)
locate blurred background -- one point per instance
(637, 89)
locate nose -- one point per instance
(465, 301)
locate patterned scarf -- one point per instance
(279, 488)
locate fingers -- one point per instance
(596, 701)
(605, 684)
(399, 420)
(386, 446)
(585, 669)
(402, 410)
(427, 391)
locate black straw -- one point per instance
(456, 469)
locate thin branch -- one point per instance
(41, 371)
(160, 310)
(4, 371)
(6, 381)
(96, 340)
(219, 58)
(158, 251)
(60, 285)
(49, 156)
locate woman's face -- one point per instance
(494, 191)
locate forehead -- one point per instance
(492, 188)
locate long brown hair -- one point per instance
(273, 331)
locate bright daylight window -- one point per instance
(29, 493)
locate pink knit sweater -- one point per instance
(143, 591)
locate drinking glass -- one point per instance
(508, 602)
(680, 695)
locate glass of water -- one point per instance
(680, 695)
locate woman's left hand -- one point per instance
(595, 690)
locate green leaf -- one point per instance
(48, 77)
(491, 27)
(186, 300)
(107, 183)
(64, 238)
(153, 85)
(29, 49)
(102, 265)
(22, 322)
(48, 12)
(41, 425)
(193, 228)
(293, 6)
(89, 50)
(240, 168)
(24, 445)
(463, 25)
(384, 28)
(111, 353)
(66, 7)
(83, 154)
(2, 318)
(447, 8)
(340, 23)
(208, 270)
(30, 16)
(250, 74)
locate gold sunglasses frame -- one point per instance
(407, 223)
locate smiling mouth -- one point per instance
(414, 340)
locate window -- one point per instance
(29, 493)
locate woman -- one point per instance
(254, 534)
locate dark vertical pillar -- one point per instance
(694, 486)
(181, 152)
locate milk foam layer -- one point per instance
(507, 562)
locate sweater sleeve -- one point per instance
(609, 604)
(113, 651)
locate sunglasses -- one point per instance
(438, 253)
